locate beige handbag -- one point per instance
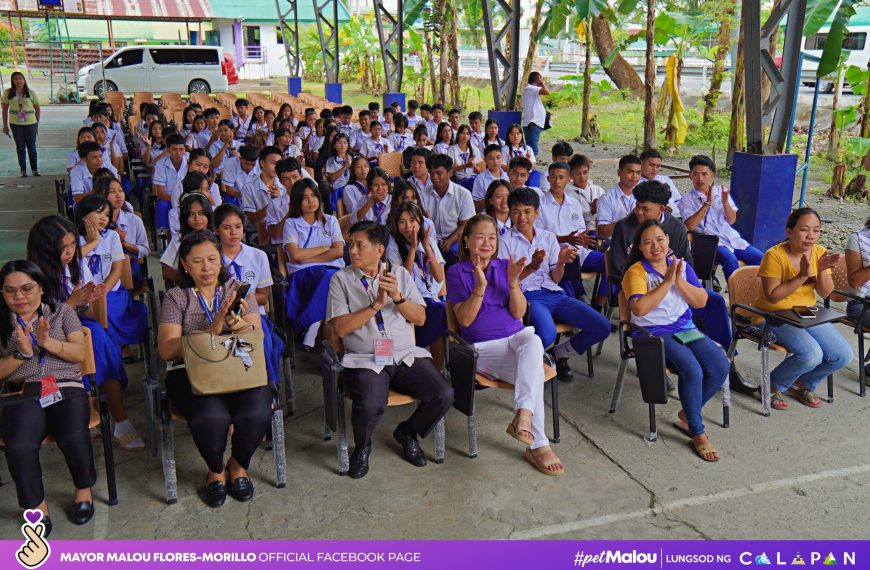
(221, 364)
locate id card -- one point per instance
(22, 115)
(50, 393)
(383, 351)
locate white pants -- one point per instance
(519, 359)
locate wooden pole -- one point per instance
(24, 46)
(199, 34)
(12, 37)
(111, 34)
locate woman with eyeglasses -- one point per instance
(42, 341)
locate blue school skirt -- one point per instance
(107, 355)
(161, 213)
(128, 319)
(273, 348)
(307, 292)
(136, 272)
(435, 326)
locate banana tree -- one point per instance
(819, 13)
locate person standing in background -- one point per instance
(21, 112)
(534, 114)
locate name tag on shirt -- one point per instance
(50, 393)
(383, 351)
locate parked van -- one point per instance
(855, 41)
(159, 69)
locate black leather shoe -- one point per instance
(46, 522)
(359, 462)
(215, 494)
(81, 513)
(411, 451)
(717, 287)
(738, 384)
(241, 488)
(563, 371)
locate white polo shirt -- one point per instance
(507, 153)
(377, 213)
(586, 196)
(256, 196)
(167, 175)
(135, 230)
(482, 182)
(512, 243)
(533, 107)
(235, 177)
(401, 142)
(250, 265)
(426, 283)
(371, 148)
(421, 186)
(713, 223)
(455, 206)
(319, 234)
(217, 147)
(107, 252)
(461, 157)
(614, 206)
(562, 219)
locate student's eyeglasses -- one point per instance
(25, 289)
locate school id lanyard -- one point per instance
(34, 344)
(379, 318)
(209, 313)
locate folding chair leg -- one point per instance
(327, 433)
(862, 375)
(653, 436)
(765, 381)
(439, 442)
(726, 404)
(289, 391)
(343, 460)
(830, 388)
(148, 388)
(108, 452)
(554, 393)
(589, 364)
(472, 434)
(617, 386)
(169, 475)
(278, 448)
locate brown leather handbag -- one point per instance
(222, 364)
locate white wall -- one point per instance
(275, 60)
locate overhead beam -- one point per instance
(390, 25)
(503, 65)
(326, 14)
(288, 20)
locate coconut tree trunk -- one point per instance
(738, 104)
(533, 44)
(619, 70)
(649, 83)
(724, 46)
(433, 75)
(585, 130)
(453, 54)
(441, 11)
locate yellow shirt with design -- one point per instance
(776, 264)
(17, 105)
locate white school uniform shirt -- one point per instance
(383, 211)
(421, 186)
(455, 206)
(371, 148)
(586, 196)
(401, 142)
(217, 147)
(508, 153)
(533, 107)
(84, 275)
(303, 131)
(292, 151)
(346, 128)
(477, 141)
(243, 128)
(304, 235)
(482, 182)
(167, 175)
(358, 136)
(175, 210)
(440, 147)
(235, 177)
(256, 196)
(353, 196)
(513, 244)
(72, 159)
(460, 157)
(859, 242)
(562, 219)
(503, 226)
(413, 120)
(81, 181)
(334, 164)
(115, 129)
(431, 128)
(386, 128)
(109, 250)
(170, 254)
(135, 229)
(202, 138)
(315, 142)
(674, 202)
(276, 211)
(423, 279)
(250, 265)
(713, 223)
(614, 206)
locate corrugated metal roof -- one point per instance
(138, 9)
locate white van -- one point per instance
(855, 41)
(159, 69)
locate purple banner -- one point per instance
(428, 555)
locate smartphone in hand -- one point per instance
(241, 293)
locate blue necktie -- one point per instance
(237, 269)
(379, 208)
(95, 264)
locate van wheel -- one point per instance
(100, 92)
(198, 86)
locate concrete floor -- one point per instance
(801, 474)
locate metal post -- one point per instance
(791, 70)
(752, 39)
(503, 67)
(390, 35)
(289, 30)
(327, 29)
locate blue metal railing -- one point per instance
(804, 168)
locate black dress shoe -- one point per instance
(738, 384)
(241, 488)
(563, 371)
(81, 513)
(411, 451)
(716, 286)
(46, 522)
(359, 462)
(215, 494)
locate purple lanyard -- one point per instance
(378, 209)
(308, 239)
(379, 318)
(33, 341)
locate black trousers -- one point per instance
(25, 425)
(209, 419)
(369, 392)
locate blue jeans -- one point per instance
(713, 319)
(548, 307)
(702, 368)
(593, 263)
(816, 352)
(729, 259)
(532, 134)
(25, 138)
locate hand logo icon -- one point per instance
(35, 550)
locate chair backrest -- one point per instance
(743, 287)
(704, 255)
(452, 323)
(100, 311)
(281, 255)
(127, 274)
(391, 162)
(841, 280)
(89, 364)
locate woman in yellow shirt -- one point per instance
(792, 273)
(21, 111)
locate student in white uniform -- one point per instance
(449, 205)
(584, 190)
(195, 214)
(237, 172)
(496, 204)
(128, 226)
(376, 205)
(376, 144)
(619, 201)
(466, 158)
(492, 158)
(650, 169)
(356, 190)
(197, 162)
(259, 191)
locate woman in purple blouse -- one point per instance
(489, 305)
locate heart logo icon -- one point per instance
(33, 516)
